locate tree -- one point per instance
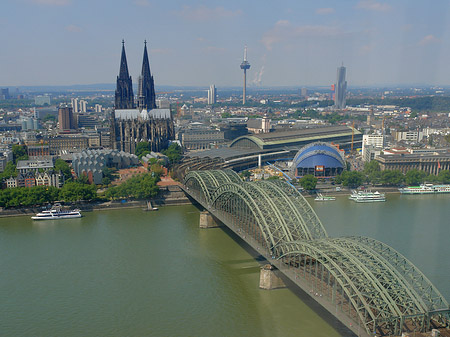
(444, 176)
(61, 165)
(83, 179)
(157, 170)
(75, 191)
(415, 177)
(371, 166)
(9, 171)
(19, 152)
(352, 178)
(142, 149)
(173, 152)
(106, 181)
(308, 182)
(392, 177)
(141, 186)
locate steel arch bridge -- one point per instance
(368, 285)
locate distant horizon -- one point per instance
(111, 87)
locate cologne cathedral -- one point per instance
(133, 122)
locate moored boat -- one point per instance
(367, 196)
(57, 213)
(425, 189)
(321, 197)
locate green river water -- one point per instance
(135, 273)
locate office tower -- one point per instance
(340, 88)
(244, 66)
(83, 106)
(146, 88)
(98, 108)
(75, 105)
(65, 118)
(304, 92)
(212, 94)
(124, 97)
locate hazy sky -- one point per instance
(290, 42)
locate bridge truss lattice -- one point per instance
(362, 281)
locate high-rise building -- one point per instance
(146, 88)
(212, 94)
(65, 118)
(124, 98)
(340, 88)
(304, 92)
(83, 106)
(98, 108)
(245, 65)
(75, 105)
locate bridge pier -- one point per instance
(268, 278)
(207, 221)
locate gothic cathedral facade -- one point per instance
(132, 122)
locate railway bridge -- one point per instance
(369, 286)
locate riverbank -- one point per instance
(171, 195)
(168, 195)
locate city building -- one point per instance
(67, 144)
(92, 162)
(83, 106)
(130, 125)
(163, 103)
(86, 121)
(34, 165)
(75, 105)
(340, 88)
(36, 151)
(4, 93)
(258, 125)
(431, 163)
(65, 118)
(408, 136)
(42, 100)
(212, 94)
(6, 155)
(319, 159)
(200, 139)
(372, 142)
(31, 179)
(304, 92)
(98, 108)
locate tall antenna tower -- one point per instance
(245, 65)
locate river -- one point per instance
(134, 273)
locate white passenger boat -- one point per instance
(57, 213)
(425, 189)
(367, 196)
(422, 189)
(321, 197)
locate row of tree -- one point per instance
(142, 186)
(373, 175)
(41, 195)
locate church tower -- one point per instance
(124, 90)
(146, 88)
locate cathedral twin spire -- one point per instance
(124, 97)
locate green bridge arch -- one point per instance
(371, 284)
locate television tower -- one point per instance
(245, 65)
